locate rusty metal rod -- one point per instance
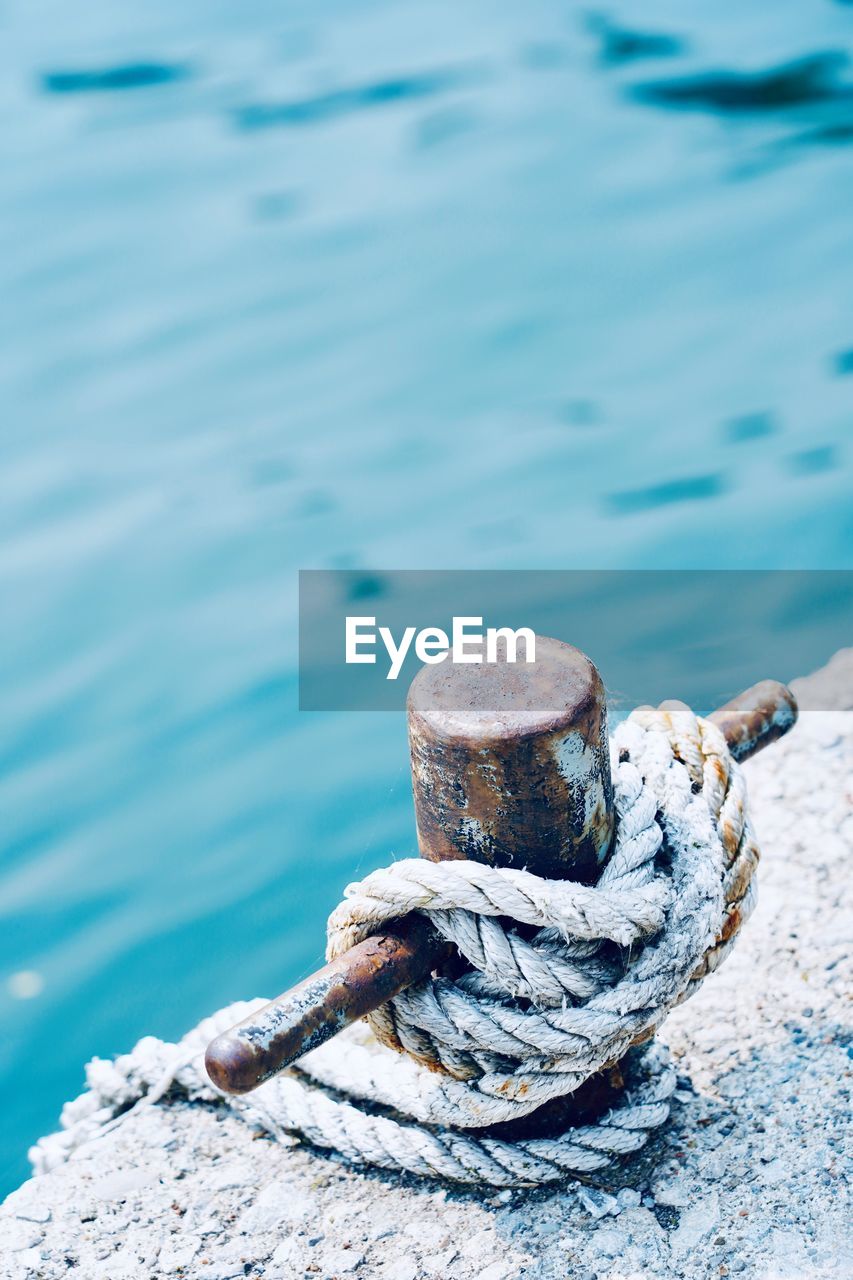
(312, 1012)
(760, 715)
(375, 970)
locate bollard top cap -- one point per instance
(503, 700)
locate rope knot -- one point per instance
(561, 978)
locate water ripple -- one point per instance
(343, 102)
(806, 80)
(131, 75)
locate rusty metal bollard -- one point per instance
(510, 763)
(510, 766)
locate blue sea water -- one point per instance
(349, 285)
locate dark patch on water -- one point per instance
(272, 206)
(267, 471)
(315, 503)
(837, 134)
(829, 135)
(580, 413)
(367, 586)
(807, 80)
(844, 362)
(618, 45)
(810, 462)
(341, 102)
(750, 426)
(687, 489)
(442, 126)
(131, 75)
(517, 332)
(42, 834)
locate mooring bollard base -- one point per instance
(589, 1102)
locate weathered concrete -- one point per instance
(750, 1177)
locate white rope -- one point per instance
(534, 1016)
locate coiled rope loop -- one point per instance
(537, 1012)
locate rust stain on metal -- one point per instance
(756, 717)
(309, 1014)
(510, 764)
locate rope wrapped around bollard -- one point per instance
(561, 980)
